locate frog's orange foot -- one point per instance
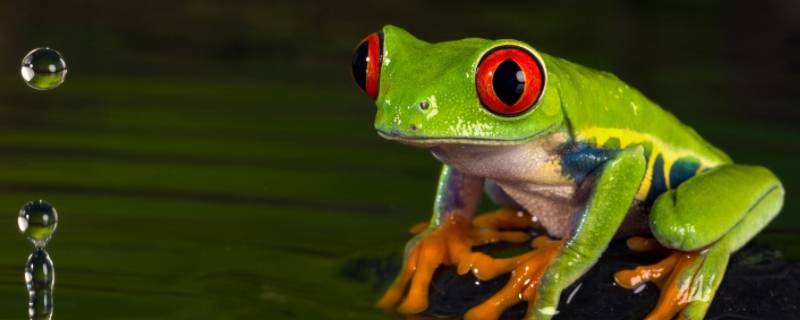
(525, 278)
(451, 244)
(504, 224)
(645, 245)
(428, 250)
(507, 219)
(679, 276)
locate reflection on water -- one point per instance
(39, 279)
(38, 221)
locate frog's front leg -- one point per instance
(704, 219)
(448, 240)
(540, 278)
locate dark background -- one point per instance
(213, 159)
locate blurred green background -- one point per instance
(214, 160)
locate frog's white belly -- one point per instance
(529, 173)
(551, 205)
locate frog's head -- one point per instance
(471, 91)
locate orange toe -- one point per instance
(656, 273)
(450, 243)
(393, 295)
(522, 286)
(483, 236)
(485, 267)
(675, 292)
(441, 246)
(507, 219)
(642, 245)
(431, 255)
(667, 275)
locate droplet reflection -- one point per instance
(38, 221)
(39, 280)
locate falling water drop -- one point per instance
(39, 270)
(37, 221)
(39, 279)
(43, 69)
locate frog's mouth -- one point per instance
(429, 142)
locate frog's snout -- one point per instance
(406, 119)
(424, 105)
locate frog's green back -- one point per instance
(595, 107)
(605, 112)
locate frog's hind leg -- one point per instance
(704, 220)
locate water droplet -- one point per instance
(39, 279)
(40, 305)
(43, 69)
(38, 220)
(39, 272)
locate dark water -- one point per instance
(216, 161)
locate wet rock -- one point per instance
(759, 284)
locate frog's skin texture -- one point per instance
(591, 160)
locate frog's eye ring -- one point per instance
(367, 63)
(509, 80)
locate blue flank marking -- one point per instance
(658, 184)
(580, 160)
(682, 170)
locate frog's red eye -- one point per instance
(509, 80)
(367, 63)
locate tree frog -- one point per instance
(573, 150)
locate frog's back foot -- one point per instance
(704, 219)
(729, 204)
(687, 280)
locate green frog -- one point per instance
(565, 148)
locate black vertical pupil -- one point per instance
(506, 85)
(360, 64)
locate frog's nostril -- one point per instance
(424, 105)
(413, 127)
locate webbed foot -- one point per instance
(524, 282)
(451, 243)
(687, 280)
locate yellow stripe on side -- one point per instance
(629, 137)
